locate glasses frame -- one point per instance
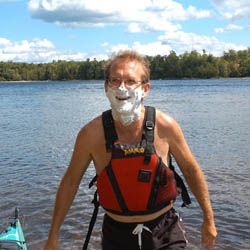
(133, 83)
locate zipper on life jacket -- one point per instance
(155, 185)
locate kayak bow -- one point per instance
(13, 235)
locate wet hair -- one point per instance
(128, 55)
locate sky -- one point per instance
(40, 31)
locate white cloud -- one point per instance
(82, 13)
(134, 28)
(4, 42)
(42, 50)
(153, 24)
(140, 15)
(230, 27)
(182, 42)
(23, 47)
(150, 49)
(68, 56)
(233, 9)
(105, 44)
(172, 10)
(99, 57)
(193, 13)
(119, 47)
(37, 50)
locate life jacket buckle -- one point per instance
(149, 125)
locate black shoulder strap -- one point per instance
(92, 221)
(181, 186)
(94, 215)
(109, 129)
(149, 125)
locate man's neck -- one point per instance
(132, 132)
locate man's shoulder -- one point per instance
(167, 126)
(93, 129)
(164, 120)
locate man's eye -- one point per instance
(131, 82)
(116, 80)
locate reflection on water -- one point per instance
(39, 123)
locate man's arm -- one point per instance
(68, 187)
(195, 179)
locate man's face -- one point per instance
(126, 91)
(127, 70)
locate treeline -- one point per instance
(188, 65)
(56, 70)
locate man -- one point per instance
(131, 147)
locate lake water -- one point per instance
(39, 122)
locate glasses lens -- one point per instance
(129, 83)
(115, 82)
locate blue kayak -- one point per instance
(12, 237)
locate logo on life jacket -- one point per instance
(133, 151)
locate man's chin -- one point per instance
(123, 112)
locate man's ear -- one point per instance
(146, 87)
(106, 85)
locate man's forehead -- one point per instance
(131, 64)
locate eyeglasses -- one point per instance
(116, 82)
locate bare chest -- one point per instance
(101, 157)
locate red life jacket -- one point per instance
(136, 181)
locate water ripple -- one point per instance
(39, 124)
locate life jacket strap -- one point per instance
(94, 215)
(93, 181)
(148, 132)
(181, 186)
(116, 189)
(149, 125)
(155, 186)
(109, 129)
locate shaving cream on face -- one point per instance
(125, 104)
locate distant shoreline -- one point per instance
(22, 81)
(26, 81)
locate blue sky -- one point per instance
(46, 30)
